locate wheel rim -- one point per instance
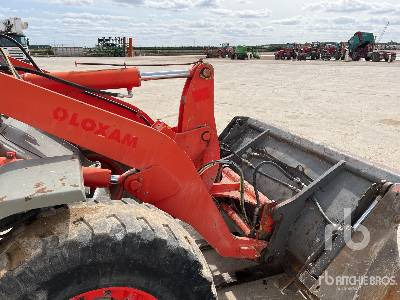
(115, 293)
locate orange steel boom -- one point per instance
(166, 158)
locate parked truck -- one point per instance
(14, 28)
(362, 45)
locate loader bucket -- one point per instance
(336, 216)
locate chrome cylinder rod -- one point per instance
(146, 76)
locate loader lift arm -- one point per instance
(180, 190)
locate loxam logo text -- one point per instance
(97, 128)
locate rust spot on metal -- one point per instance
(40, 189)
(62, 180)
(43, 190)
(392, 293)
(38, 185)
(396, 189)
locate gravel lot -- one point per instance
(352, 106)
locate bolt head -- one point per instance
(206, 73)
(206, 136)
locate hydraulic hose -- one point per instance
(66, 82)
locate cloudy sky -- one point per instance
(202, 22)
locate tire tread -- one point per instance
(70, 236)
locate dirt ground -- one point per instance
(352, 106)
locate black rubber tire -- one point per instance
(355, 56)
(72, 250)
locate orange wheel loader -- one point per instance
(92, 189)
